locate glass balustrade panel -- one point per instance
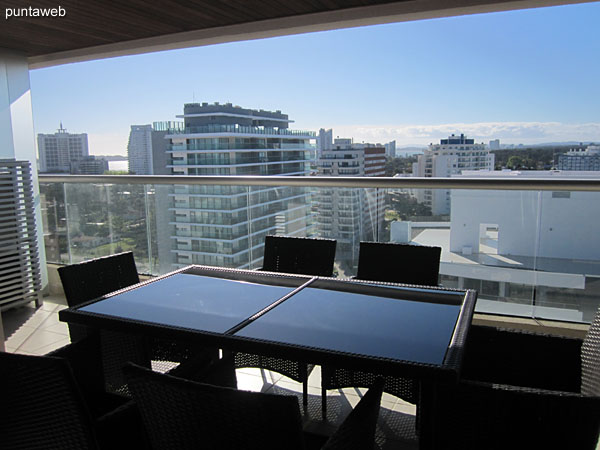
(527, 253)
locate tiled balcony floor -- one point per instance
(38, 332)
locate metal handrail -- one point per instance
(520, 184)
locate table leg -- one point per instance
(426, 416)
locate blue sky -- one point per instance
(524, 76)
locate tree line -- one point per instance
(533, 158)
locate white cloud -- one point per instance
(108, 143)
(406, 135)
(507, 132)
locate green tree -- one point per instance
(514, 162)
(405, 207)
(401, 164)
(533, 158)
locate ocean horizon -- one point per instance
(118, 165)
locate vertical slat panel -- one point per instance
(20, 278)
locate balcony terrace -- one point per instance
(548, 284)
(38, 331)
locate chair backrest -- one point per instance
(399, 263)
(41, 405)
(590, 359)
(94, 278)
(182, 414)
(306, 256)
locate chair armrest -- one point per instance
(84, 357)
(522, 358)
(357, 432)
(485, 415)
(86, 364)
(122, 428)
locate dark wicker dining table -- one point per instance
(392, 329)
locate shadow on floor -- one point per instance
(14, 318)
(395, 429)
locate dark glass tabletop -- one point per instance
(191, 301)
(377, 326)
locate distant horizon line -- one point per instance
(408, 148)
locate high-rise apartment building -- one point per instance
(495, 144)
(324, 140)
(147, 151)
(57, 151)
(390, 149)
(346, 214)
(588, 159)
(450, 157)
(226, 225)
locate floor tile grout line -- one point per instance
(50, 313)
(32, 334)
(33, 330)
(36, 329)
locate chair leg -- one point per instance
(324, 403)
(305, 396)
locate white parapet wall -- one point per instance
(512, 275)
(529, 223)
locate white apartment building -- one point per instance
(390, 149)
(346, 214)
(139, 150)
(57, 151)
(146, 151)
(324, 140)
(226, 225)
(450, 157)
(575, 159)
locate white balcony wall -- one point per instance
(515, 213)
(569, 226)
(17, 136)
(531, 224)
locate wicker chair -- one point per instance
(394, 263)
(521, 390)
(298, 255)
(56, 401)
(92, 279)
(97, 277)
(399, 263)
(305, 256)
(181, 414)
